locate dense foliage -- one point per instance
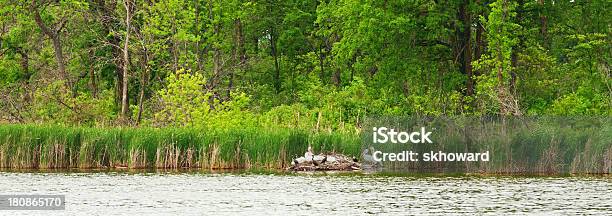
(317, 65)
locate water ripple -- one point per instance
(230, 194)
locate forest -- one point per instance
(315, 65)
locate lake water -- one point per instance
(121, 193)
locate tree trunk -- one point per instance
(277, 81)
(109, 21)
(215, 49)
(501, 94)
(198, 33)
(59, 56)
(53, 34)
(480, 45)
(238, 53)
(516, 49)
(143, 85)
(126, 61)
(465, 38)
(337, 78)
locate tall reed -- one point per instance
(45, 146)
(528, 145)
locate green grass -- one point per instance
(529, 145)
(46, 146)
(540, 145)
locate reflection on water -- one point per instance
(304, 194)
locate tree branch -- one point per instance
(39, 21)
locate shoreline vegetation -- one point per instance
(45, 146)
(526, 145)
(540, 146)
